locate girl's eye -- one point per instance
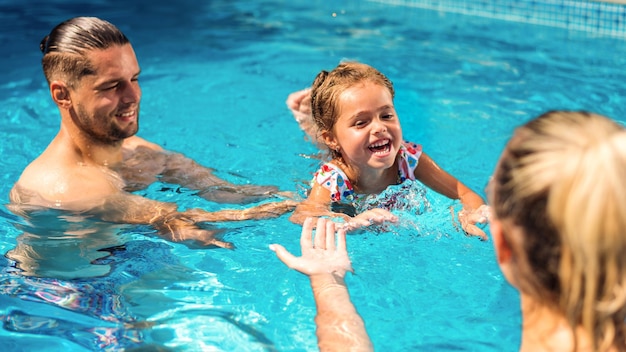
(359, 123)
(388, 116)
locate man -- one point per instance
(95, 160)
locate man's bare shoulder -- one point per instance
(135, 142)
(64, 183)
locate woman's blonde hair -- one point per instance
(562, 180)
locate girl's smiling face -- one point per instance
(367, 131)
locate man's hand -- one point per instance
(183, 230)
(376, 216)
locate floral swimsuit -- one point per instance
(335, 180)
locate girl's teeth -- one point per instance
(380, 144)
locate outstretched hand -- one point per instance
(469, 219)
(326, 254)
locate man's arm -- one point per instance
(94, 190)
(182, 170)
(325, 261)
(176, 168)
(181, 226)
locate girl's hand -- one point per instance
(327, 254)
(370, 217)
(469, 219)
(300, 104)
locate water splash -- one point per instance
(409, 196)
(420, 211)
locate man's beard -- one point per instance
(101, 128)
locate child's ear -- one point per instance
(329, 140)
(60, 94)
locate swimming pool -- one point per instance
(215, 77)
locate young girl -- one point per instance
(354, 117)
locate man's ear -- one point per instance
(60, 94)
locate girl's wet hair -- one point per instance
(64, 49)
(328, 86)
(561, 180)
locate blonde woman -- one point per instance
(558, 199)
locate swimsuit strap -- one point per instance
(408, 158)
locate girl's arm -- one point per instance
(300, 105)
(317, 204)
(474, 208)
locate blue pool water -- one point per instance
(215, 76)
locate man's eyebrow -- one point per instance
(117, 79)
